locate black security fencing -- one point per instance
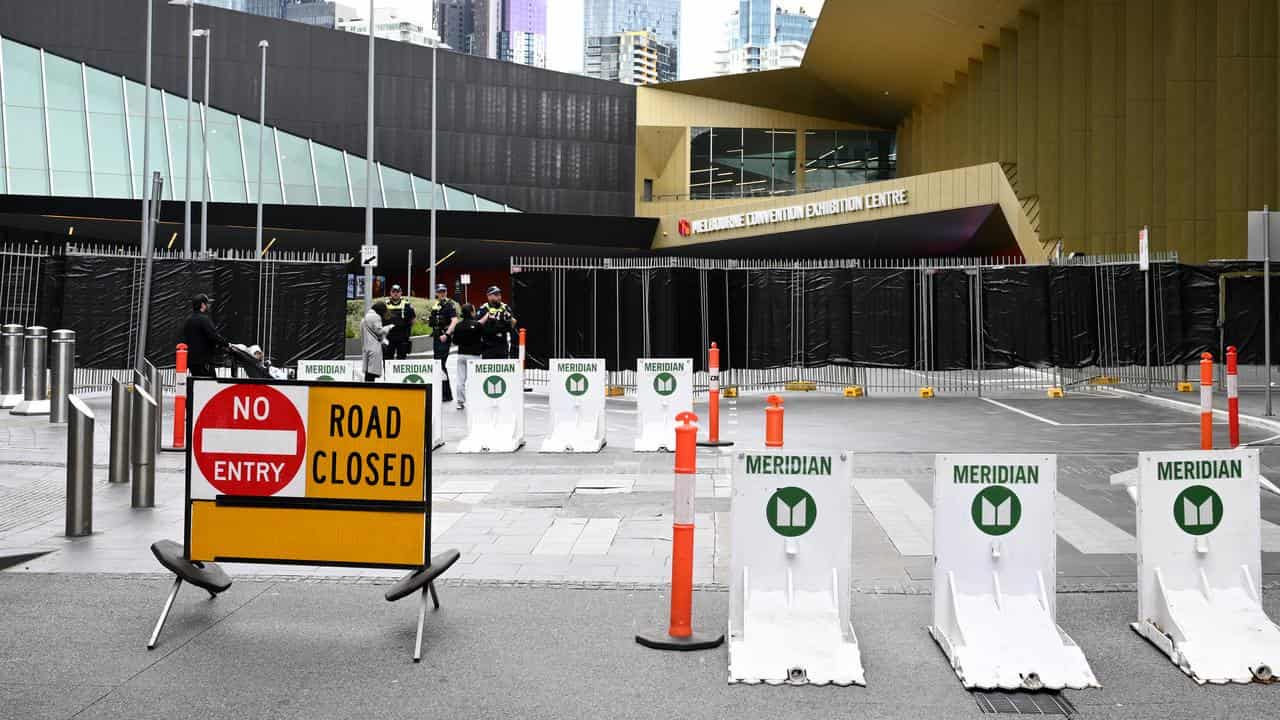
(291, 304)
(957, 325)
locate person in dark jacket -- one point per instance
(469, 338)
(400, 316)
(201, 337)
(499, 325)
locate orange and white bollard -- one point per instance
(773, 422)
(1233, 397)
(180, 401)
(523, 386)
(1206, 401)
(713, 400)
(680, 634)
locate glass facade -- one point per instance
(67, 129)
(741, 162)
(839, 158)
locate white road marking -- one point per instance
(1055, 423)
(1088, 532)
(1011, 408)
(905, 517)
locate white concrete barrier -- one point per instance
(664, 389)
(495, 407)
(421, 372)
(577, 406)
(330, 370)
(1200, 563)
(995, 574)
(792, 538)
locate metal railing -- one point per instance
(1110, 366)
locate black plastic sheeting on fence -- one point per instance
(100, 298)
(1240, 286)
(1031, 316)
(882, 310)
(952, 324)
(1010, 296)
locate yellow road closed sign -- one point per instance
(308, 473)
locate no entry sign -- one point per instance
(321, 473)
(250, 440)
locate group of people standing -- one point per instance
(484, 333)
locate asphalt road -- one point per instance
(73, 646)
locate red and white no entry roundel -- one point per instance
(248, 440)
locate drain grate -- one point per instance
(1023, 703)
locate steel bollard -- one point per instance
(63, 373)
(79, 468)
(155, 386)
(11, 380)
(143, 449)
(35, 383)
(121, 402)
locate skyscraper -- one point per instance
(637, 57)
(523, 38)
(609, 17)
(762, 35)
(454, 23)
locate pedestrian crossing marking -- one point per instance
(1089, 533)
(903, 515)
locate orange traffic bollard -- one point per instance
(523, 386)
(680, 634)
(713, 400)
(1233, 397)
(180, 400)
(1206, 401)
(773, 422)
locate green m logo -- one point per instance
(324, 378)
(414, 379)
(996, 510)
(1197, 510)
(576, 384)
(664, 383)
(791, 511)
(495, 387)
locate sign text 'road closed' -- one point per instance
(315, 442)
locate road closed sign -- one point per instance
(791, 530)
(577, 389)
(995, 571)
(1200, 564)
(308, 473)
(664, 389)
(421, 372)
(495, 406)
(329, 370)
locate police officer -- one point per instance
(445, 312)
(400, 317)
(497, 322)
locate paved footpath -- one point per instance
(607, 516)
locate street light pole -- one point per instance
(368, 169)
(207, 34)
(191, 51)
(262, 134)
(145, 184)
(431, 287)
